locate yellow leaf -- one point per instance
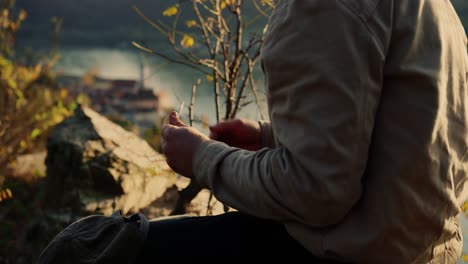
(187, 41)
(8, 192)
(63, 93)
(209, 77)
(267, 2)
(35, 133)
(464, 207)
(465, 258)
(22, 15)
(23, 145)
(171, 11)
(226, 3)
(190, 23)
(13, 26)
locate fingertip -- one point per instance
(213, 135)
(173, 117)
(215, 128)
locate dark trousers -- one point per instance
(227, 235)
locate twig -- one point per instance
(213, 12)
(254, 91)
(259, 9)
(202, 23)
(257, 17)
(192, 102)
(241, 91)
(149, 21)
(146, 49)
(180, 109)
(237, 62)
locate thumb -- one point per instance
(214, 132)
(214, 135)
(213, 129)
(174, 120)
(218, 128)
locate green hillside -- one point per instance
(105, 23)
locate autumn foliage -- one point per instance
(30, 99)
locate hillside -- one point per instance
(87, 22)
(109, 23)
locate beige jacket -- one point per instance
(368, 105)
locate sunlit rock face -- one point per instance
(95, 165)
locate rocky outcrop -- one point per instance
(96, 165)
(93, 166)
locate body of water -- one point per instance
(177, 80)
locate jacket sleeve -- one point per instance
(323, 73)
(268, 139)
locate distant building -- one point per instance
(129, 99)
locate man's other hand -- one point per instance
(179, 143)
(239, 133)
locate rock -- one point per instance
(164, 205)
(29, 166)
(96, 165)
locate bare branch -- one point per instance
(213, 65)
(216, 93)
(225, 25)
(174, 25)
(202, 23)
(254, 90)
(241, 91)
(238, 54)
(149, 21)
(207, 8)
(215, 73)
(192, 101)
(236, 64)
(224, 45)
(259, 9)
(257, 17)
(148, 50)
(252, 43)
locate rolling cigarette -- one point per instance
(181, 108)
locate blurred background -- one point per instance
(87, 67)
(95, 38)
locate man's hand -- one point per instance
(179, 143)
(239, 133)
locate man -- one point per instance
(365, 159)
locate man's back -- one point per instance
(367, 101)
(415, 122)
(415, 180)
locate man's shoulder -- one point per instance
(362, 8)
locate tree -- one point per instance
(220, 41)
(30, 100)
